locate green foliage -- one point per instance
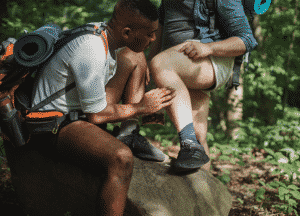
(225, 179)
(156, 2)
(285, 133)
(288, 193)
(67, 14)
(273, 68)
(262, 84)
(281, 142)
(288, 164)
(167, 134)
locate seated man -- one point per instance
(196, 67)
(99, 88)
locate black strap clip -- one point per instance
(73, 115)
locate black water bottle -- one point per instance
(10, 122)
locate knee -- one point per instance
(123, 159)
(156, 64)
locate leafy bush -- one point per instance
(288, 166)
(285, 133)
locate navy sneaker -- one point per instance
(191, 156)
(140, 147)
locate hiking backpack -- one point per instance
(21, 61)
(251, 7)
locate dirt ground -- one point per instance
(241, 182)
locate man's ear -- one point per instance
(126, 33)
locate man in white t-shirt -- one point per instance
(101, 82)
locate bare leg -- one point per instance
(173, 69)
(135, 87)
(129, 82)
(129, 85)
(200, 105)
(89, 146)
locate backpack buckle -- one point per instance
(73, 115)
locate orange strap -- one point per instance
(46, 114)
(104, 38)
(9, 51)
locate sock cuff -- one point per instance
(188, 129)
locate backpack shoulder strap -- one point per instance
(87, 29)
(211, 7)
(103, 36)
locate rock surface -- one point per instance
(49, 186)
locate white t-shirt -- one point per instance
(84, 61)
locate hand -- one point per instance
(196, 50)
(156, 99)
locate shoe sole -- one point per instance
(178, 168)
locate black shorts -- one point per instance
(46, 143)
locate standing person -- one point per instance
(99, 88)
(196, 62)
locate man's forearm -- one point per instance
(233, 46)
(115, 113)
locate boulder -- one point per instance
(49, 186)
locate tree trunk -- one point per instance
(235, 113)
(266, 111)
(284, 101)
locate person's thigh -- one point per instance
(195, 74)
(87, 145)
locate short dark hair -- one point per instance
(144, 7)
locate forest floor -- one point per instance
(241, 181)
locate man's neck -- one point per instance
(112, 40)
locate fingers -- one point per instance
(190, 51)
(147, 76)
(185, 48)
(162, 93)
(164, 90)
(159, 98)
(169, 97)
(193, 53)
(182, 48)
(169, 101)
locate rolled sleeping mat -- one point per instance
(36, 47)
